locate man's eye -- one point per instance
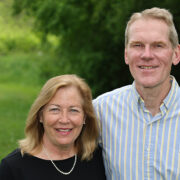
(137, 45)
(159, 45)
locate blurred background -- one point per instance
(43, 38)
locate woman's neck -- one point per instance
(56, 152)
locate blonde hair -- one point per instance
(155, 13)
(87, 140)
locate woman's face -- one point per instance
(63, 118)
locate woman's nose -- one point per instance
(63, 117)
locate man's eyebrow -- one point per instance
(133, 42)
(158, 42)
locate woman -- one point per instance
(61, 136)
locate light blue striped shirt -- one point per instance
(135, 144)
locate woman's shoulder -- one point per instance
(8, 163)
(97, 153)
(94, 167)
(96, 156)
(14, 154)
(13, 157)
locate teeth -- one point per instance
(64, 130)
(146, 67)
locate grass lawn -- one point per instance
(15, 101)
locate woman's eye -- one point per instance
(74, 110)
(54, 110)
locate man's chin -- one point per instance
(148, 84)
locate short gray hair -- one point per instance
(155, 13)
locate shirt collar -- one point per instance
(168, 101)
(136, 97)
(173, 95)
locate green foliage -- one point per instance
(17, 33)
(29, 68)
(91, 35)
(18, 41)
(21, 68)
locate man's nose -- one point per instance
(147, 53)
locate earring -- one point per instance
(41, 120)
(84, 120)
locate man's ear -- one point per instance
(176, 56)
(125, 56)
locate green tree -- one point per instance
(91, 35)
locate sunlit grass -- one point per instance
(15, 101)
(19, 85)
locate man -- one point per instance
(140, 123)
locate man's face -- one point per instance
(149, 53)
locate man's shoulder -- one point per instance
(115, 92)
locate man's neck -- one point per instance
(153, 97)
